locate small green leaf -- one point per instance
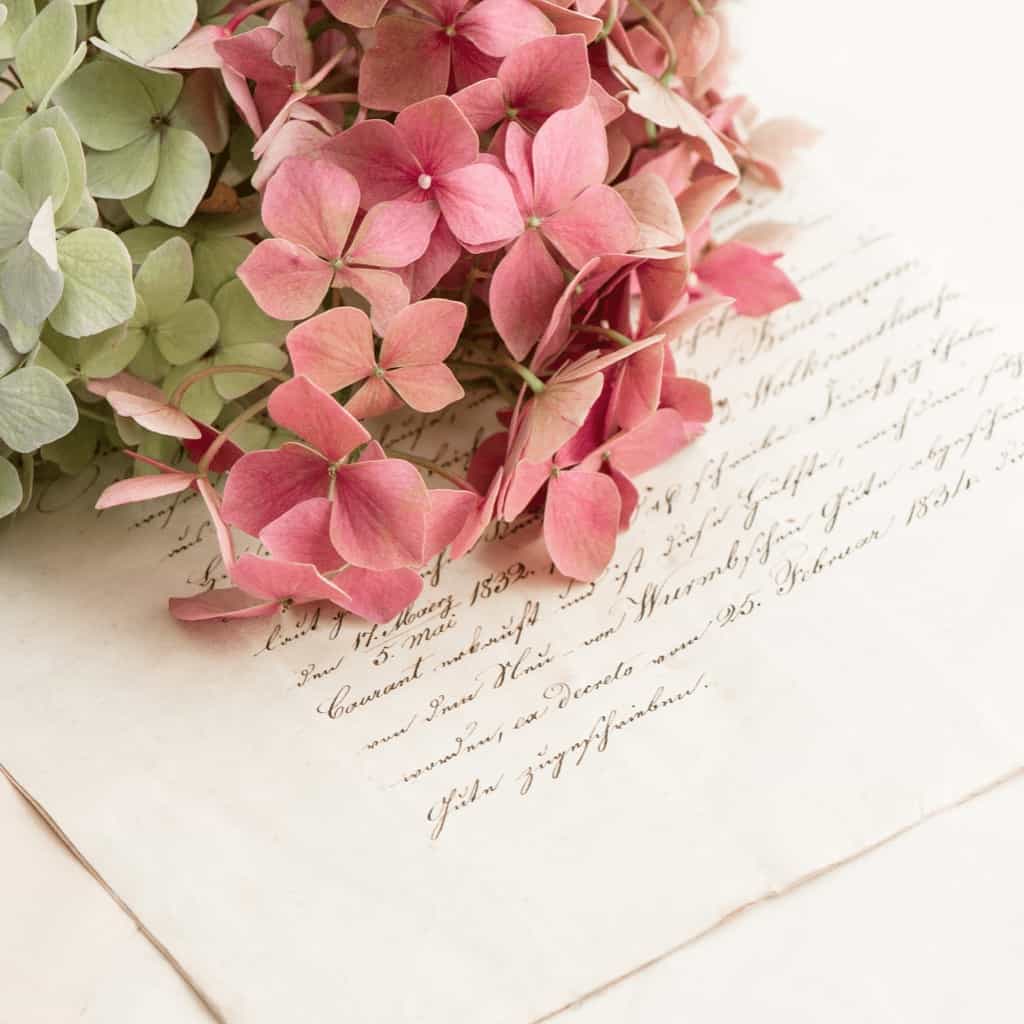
(49, 360)
(165, 279)
(107, 104)
(19, 16)
(182, 179)
(234, 385)
(30, 278)
(242, 321)
(189, 333)
(49, 177)
(216, 261)
(145, 32)
(10, 489)
(142, 241)
(125, 172)
(164, 88)
(149, 364)
(86, 216)
(135, 207)
(98, 289)
(46, 48)
(36, 408)
(15, 212)
(109, 352)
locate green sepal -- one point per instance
(98, 289)
(36, 408)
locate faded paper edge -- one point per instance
(207, 1002)
(784, 890)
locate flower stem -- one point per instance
(332, 97)
(606, 332)
(222, 438)
(213, 371)
(536, 385)
(89, 414)
(698, 8)
(431, 467)
(260, 5)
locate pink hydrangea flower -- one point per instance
(335, 350)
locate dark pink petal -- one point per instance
(334, 349)
(409, 61)
(519, 160)
(637, 388)
(286, 280)
(377, 157)
(663, 283)
(442, 254)
(311, 413)
(690, 398)
(374, 398)
(379, 596)
(423, 333)
(656, 439)
(281, 581)
(439, 135)
(264, 485)
(478, 205)
(379, 516)
(250, 54)
(499, 26)
(570, 153)
(483, 103)
(594, 224)
(568, 21)
(227, 455)
(385, 290)
(393, 234)
(447, 515)
(478, 521)
(629, 496)
(749, 276)
(524, 290)
(143, 488)
(557, 413)
(487, 460)
(581, 522)
(303, 534)
(470, 64)
(426, 388)
(361, 13)
(546, 74)
(313, 203)
(224, 603)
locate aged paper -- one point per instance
(522, 789)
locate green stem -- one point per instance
(606, 332)
(222, 438)
(534, 382)
(98, 417)
(698, 8)
(432, 467)
(609, 22)
(213, 371)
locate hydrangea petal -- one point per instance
(287, 281)
(334, 349)
(423, 333)
(426, 388)
(311, 413)
(596, 223)
(302, 534)
(581, 522)
(478, 205)
(379, 596)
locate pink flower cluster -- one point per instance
(511, 191)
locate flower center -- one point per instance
(378, 371)
(533, 221)
(511, 113)
(450, 31)
(424, 181)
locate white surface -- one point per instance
(918, 99)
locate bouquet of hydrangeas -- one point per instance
(234, 235)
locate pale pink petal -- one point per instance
(393, 234)
(442, 254)
(225, 540)
(691, 315)
(654, 207)
(311, 413)
(499, 26)
(361, 13)
(379, 516)
(702, 197)
(379, 596)
(334, 349)
(296, 138)
(409, 61)
(570, 153)
(629, 496)
(143, 488)
(478, 205)
(270, 578)
(688, 397)
(581, 522)
(154, 415)
(377, 157)
(250, 54)
(557, 413)
(446, 516)
(426, 388)
(238, 89)
(263, 485)
(313, 203)
(524, 481)
(374, 398)
(483, 103)
(438, 134)
(596, 223)
(611, 110)
(590, 363)
(423, 333)
(546, 74)
(224, 603)
(524, 291)
(303, 534)
(697, 38)
(385, 290)
(749, 276)
(658, 438)
(287, 281)
(196, 50)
